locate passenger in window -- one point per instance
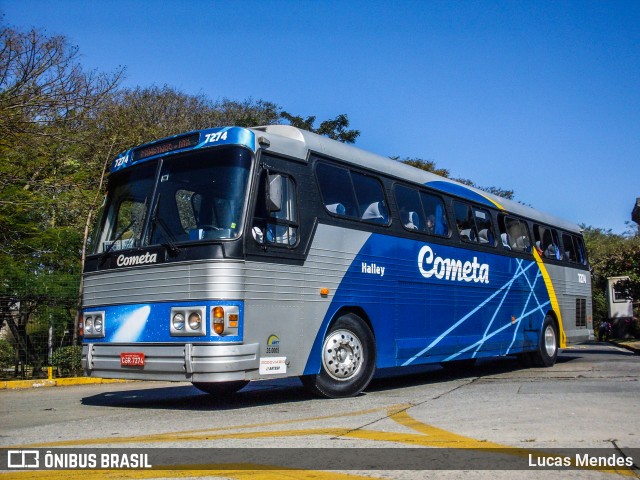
(441, 227)
(431, 223)
(466, 232)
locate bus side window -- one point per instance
(484, 227)
(546, 242)
(282, 226)
(437, 223)
(371, 201)
(411, 214)
(465, 222)
(582, 256)
(569, 248)
(514, 234)
(337, 190)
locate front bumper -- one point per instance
(183, 362)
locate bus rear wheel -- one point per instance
(547, 352)
(348, 360)
(219, 389)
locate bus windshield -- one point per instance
(199, 196)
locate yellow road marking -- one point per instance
(211, 434)
(234, 471)
(427, 436)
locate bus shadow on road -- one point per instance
(279, 391)
(187, 397)
(290, 390)
(434, 374)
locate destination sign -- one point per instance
(166, 146)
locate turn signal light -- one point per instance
(218, 320)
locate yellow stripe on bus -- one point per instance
(498, 206)
(552, 297)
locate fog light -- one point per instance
(178, 321)
(194, 321)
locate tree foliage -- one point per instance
(612, 255)
(42, 84)
(336, 128)
(46, 100)
(430, 166)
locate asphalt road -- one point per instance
(589, 399)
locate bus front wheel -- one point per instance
(547, 352)
(348, 360)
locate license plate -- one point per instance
(132, 359)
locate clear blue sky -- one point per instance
(542, 97)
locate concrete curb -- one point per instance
(632, 347)
(56, 382)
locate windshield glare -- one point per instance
(199, 197)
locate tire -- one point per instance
(547, 352)
(348, 360)
(220, 389)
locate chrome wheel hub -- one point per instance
(342, 354)
(550, 340)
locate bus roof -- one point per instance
(299, 143)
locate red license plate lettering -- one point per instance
(132, 359)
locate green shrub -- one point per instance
(7, 355)
(68, 360)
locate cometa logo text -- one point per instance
(147, 257)
(431, 265)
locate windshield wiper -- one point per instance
(168, 236)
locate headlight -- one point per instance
(195, 320)
(94, 325)
(178, 321)
(187, 321)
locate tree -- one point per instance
(430, 166)
(426, 165)
(46, 98)
(611, 255)
(42, 84)
(334, 128)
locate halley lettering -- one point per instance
(145, 258)
(373, 269)
(450, 268)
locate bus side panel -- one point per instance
(284, 308)
(573, 285)
(431, 302)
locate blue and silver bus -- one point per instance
(235, 254)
